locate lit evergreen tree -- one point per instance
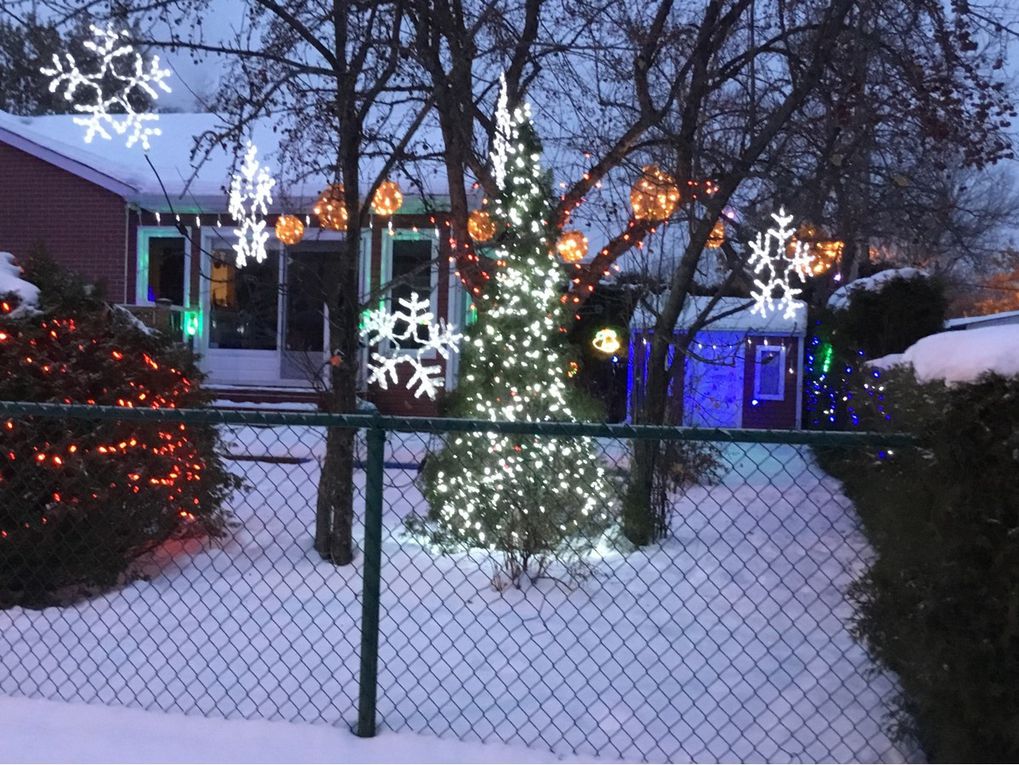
(536, 499)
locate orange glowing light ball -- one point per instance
(289, 229)
(717, 236)
(826, 254)
(331, 209)
(480, 226)
(655, 195)
(388, 198)
(572, 246)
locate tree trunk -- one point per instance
(334, 518)
(334, 534)
(638, 520)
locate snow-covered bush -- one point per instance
(940, 605)
(891, 315)
(81, 499)
(959, 356)
(891, 311)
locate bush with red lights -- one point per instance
(83, 499)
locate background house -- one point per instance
(987, 320)
(743, 370)
(155, 231)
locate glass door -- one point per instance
(303, 355)
(242, 307)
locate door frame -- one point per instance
(237, 366)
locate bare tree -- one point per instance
(332, 77)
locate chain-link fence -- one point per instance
(725, 639)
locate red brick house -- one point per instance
(108, 214)
(744, 370)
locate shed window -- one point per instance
(769, 373)
(166, 269)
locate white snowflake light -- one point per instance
(776, 266)
(111, 112)
(250, 197)
(381, 325)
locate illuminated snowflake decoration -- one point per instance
(250, 197)
(125, 72)
(776, 264)
(398, 327)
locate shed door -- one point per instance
(713, 396)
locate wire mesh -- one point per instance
(727, 639)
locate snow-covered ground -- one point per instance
(34, 730)
(727, 642)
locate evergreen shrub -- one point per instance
(81, 500)
(940, 604)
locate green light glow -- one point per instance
(826, 356)
(191, 323)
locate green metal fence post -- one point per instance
(369, 680)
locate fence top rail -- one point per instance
(452, 425)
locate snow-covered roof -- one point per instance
(965, 322)
(840, 298)
(960, 356)
(127, 172)
(734, 314)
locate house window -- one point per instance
(167, 269)
(243, 303)
(769, 373)
(411, 273)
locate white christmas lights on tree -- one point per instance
(777, 264)
(536, 499)
(250, 197)
(501, 137)
(125, 73)
(383, 326)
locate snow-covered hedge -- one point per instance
(960, 356)
(20, 295)
(940, 605)
(842, 297)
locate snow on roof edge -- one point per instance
(59, 141)
(962, 321)
(741, 318)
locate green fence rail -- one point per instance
(771, 544)
(218, 416)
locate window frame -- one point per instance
(386, 277)
(758, 353)
(141, 287)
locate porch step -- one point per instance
(265, 397)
